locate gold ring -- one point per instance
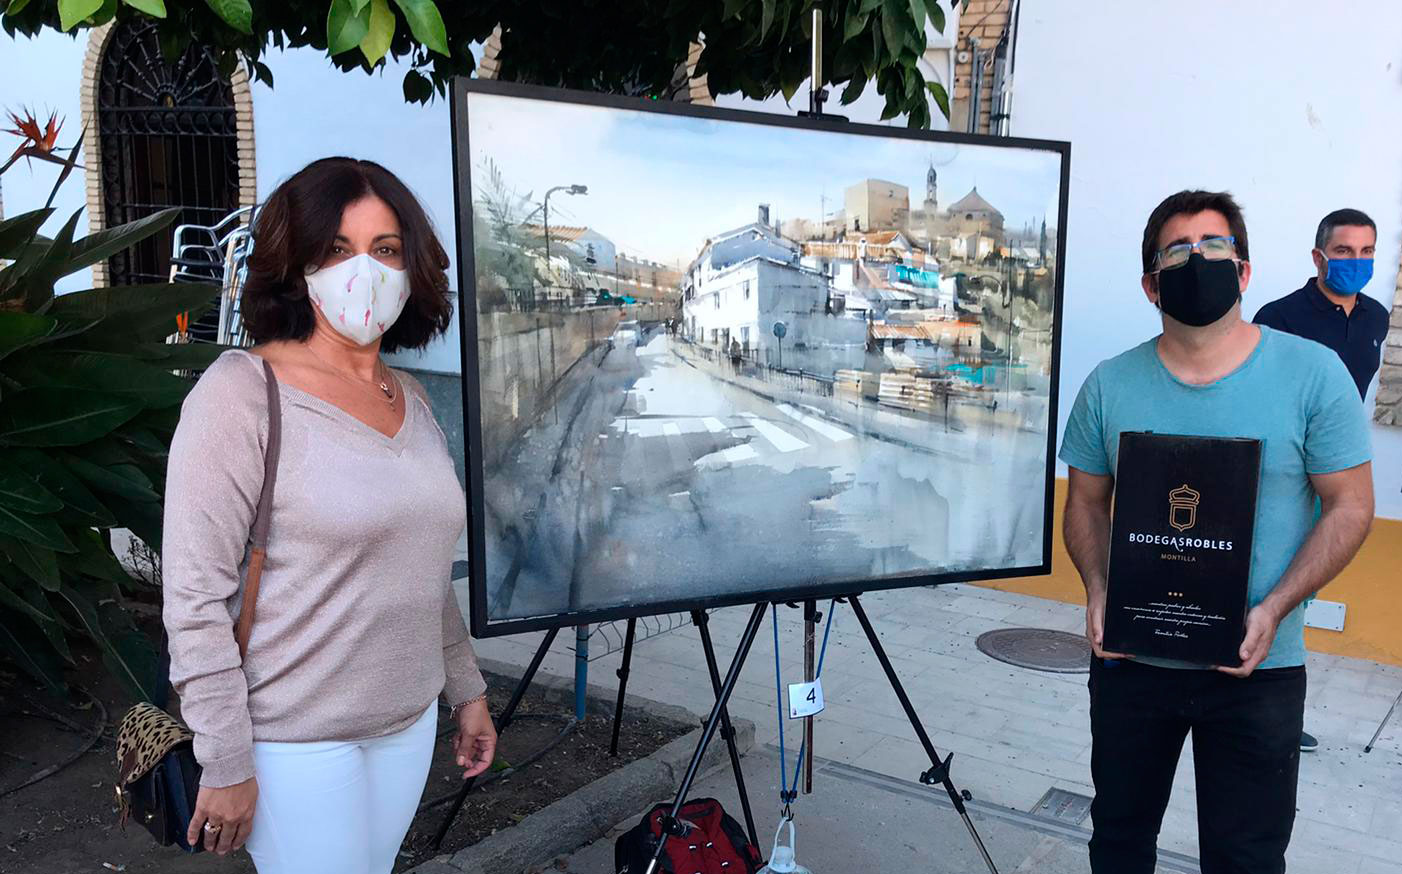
(212, 828)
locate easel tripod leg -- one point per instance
(669, 824)
(939, 773)
(622, 684)
(502, 722)
(1383, 724)
(702, 620)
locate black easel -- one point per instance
(622, 674)
(700, 619)
(938, 773)
(502, 722)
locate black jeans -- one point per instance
(1246, 754)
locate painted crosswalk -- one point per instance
(782, 440)
(830, 431)
(793, 428)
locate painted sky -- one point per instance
(660, 184)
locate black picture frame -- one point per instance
(471, 386)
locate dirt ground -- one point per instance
(67, 822)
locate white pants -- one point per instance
(339, 807)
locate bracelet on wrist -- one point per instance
(453, 714)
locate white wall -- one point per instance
(1294, 107)
(44, 74)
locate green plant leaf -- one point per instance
(18, 230)
(143, 440)
(853, 90)
(381, 32)
(94, 559)
(936, 14)
(732, 8)
(51, 623)
(18, 330)
(72, 12)
(344, 27)
(153, 8)
(180, 356)
(39, 530)
(20, 491)
(766, 18)
(72, 159)
(132, 313)
(418, 88)
(855, 24)
(61, 482)
(68, 418)
(40, 564)
(238, 14)
(142, 518)
(95, 371)
(122, 481)
(917, 13)
(789, 89)
(10, 597)
(941, 97)
(104, 244)
(16, 6)
(119, 663)
(426, 24)
(894, 28)
(26, 649)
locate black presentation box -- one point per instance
(1180, 546)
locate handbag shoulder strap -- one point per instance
(262, 517)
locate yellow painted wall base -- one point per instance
(1371, 587)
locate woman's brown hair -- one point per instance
(295, 230)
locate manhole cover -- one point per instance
(1039, 649)
(1065, 806)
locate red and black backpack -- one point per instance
(711, 842)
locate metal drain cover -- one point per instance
(1063, 806)
(1039, 649)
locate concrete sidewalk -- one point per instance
(1015, 733)
(862, 821)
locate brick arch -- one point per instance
(92, 142)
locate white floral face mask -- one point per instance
(360, 297)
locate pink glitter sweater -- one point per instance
(356, 629)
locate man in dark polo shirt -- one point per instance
(1332, 309)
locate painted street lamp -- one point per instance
(568, 189)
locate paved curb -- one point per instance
(592, 811)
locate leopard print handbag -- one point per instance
(158, 778)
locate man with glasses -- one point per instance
(1213, 374)
(1331, 308)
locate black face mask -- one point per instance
(1200, 292)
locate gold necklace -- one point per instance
(388, 385)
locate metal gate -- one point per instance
(168, 136)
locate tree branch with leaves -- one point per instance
(757, 48)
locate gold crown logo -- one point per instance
(1183, 507)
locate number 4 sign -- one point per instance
(805, 699)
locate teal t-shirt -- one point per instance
(1293, 394)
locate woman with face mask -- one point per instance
(315, 745)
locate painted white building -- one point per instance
(746, 281)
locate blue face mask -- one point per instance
(1349, 275)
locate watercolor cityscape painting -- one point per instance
(713, 357)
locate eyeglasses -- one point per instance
(1212, 248)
